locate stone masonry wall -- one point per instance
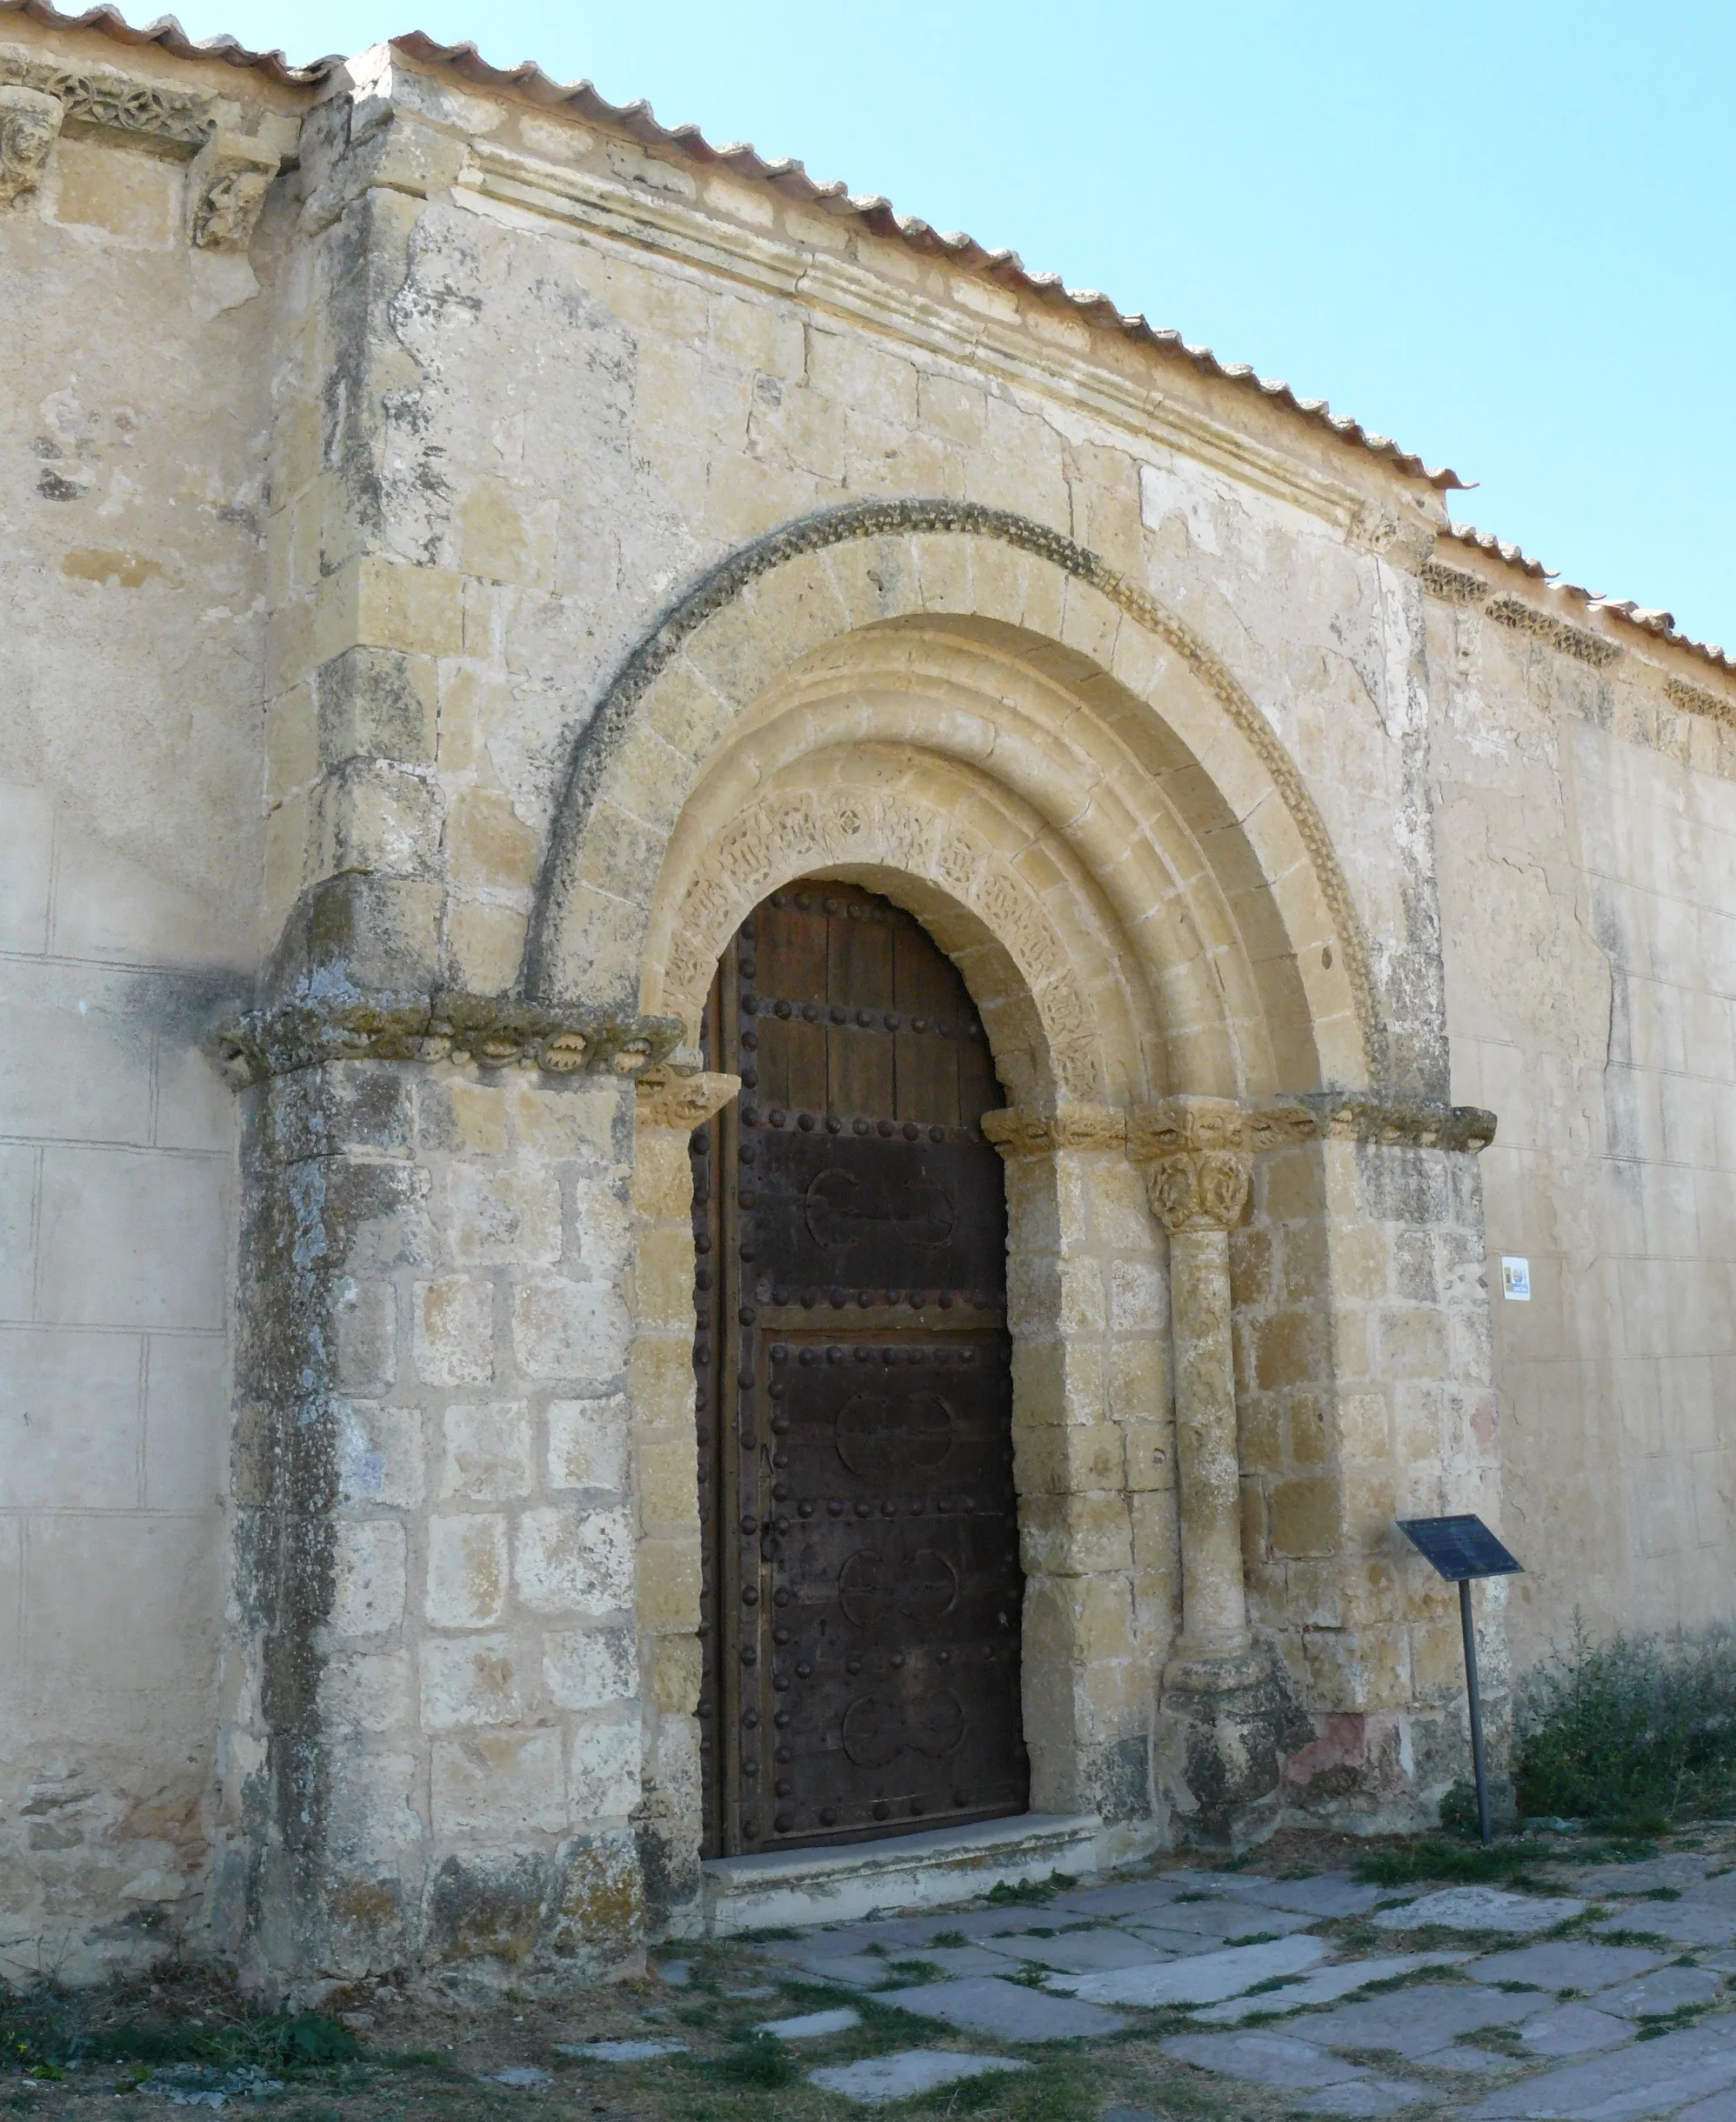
(436, 1737)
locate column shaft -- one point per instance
(1214, 1601)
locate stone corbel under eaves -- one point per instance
(231, 167)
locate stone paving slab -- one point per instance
(1328, 1895)
(953, 1959)
(1369, 2096)
(1573, 2030)
(1325, 1985)
(1004, 2011)
(1657, 1995)
(1221, 1918)
(1208, 1978)
(879, 2079)
(1081, 1953)
(1263, 2060)
(811, 2026)
(855, 1971)
(1678, 1872)
(1625, 2085)
(1722, 2107)
(1416, 2022)
(1465, 2059)
(1689, 1923)
(1481, 1908)
(620, 2052)
(1568, 1963)
(1138, 1897)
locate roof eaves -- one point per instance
(1660, 625)
(169, 36)
(876, 217)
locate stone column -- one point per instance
(1223, 1710)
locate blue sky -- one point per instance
(1500, 233)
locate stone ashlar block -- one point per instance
(1304, 1516)
(375, 703)
(1074, 1535)
(467, 1570)
(570, 1561)
(1412, 1342)
(499, 1215)
(604, 1775)
(369, 1575)
(578, 1121)
(364, 1334)
(455, 1331)
(486, 1451)
(469, 1684)
(1291, 1349)
(499, 1785)
(665, 1482)
(335, 1111)
(466, 1119)
(576, 1332)
(588, 1439)
(366, 1692)
(589, 1668)
(668, 1582)
(379, 1454)
(676, 1667)
(1061, 1459)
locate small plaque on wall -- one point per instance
(1515, 1279)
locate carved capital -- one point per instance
(1026, 1131)
(226, 187)
(1196, 1152)
(491, 1031)
(683, 1102)
(29, 122)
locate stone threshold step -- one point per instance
(789, 1888)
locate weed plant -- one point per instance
(1630, 1734)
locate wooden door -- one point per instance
(862, 1588)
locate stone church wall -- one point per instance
(467, 554)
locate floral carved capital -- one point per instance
(30, 125)
(1196, 1152)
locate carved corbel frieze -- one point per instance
(30, 125)
(683, 1102)
(226, 187)
(1027, 1131)
(1196, 1152)
(1406, 541)
(490, 1030)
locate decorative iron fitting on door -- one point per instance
(862, 1595)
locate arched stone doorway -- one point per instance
(861, 1608)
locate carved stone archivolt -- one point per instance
(1025, 1131)
(488, 1029)
(30, 123)
(1196, 1152)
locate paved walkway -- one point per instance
(1602, 1999)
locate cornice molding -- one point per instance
(493, 1031)
(1026, 1131)
(113, 101)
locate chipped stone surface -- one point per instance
(1572, 2030)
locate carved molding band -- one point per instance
(1196, 1150)
(1322, 1115)
(1453, 585)
(30, 123)
(1023, 1131)
(491, 1031)
(683, 1102)
(104, 97)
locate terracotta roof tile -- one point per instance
(172, 39)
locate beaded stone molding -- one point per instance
(488, 1029)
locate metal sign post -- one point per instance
(1462, 1549)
